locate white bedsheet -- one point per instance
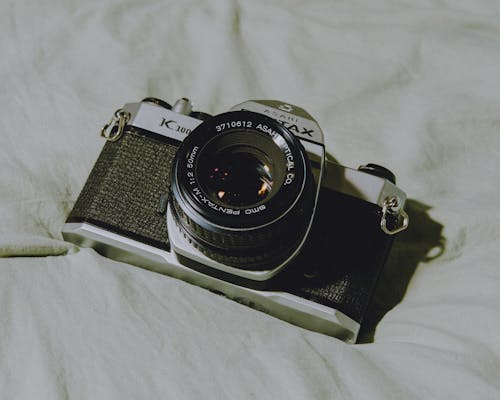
(414, 86)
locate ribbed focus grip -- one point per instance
(254, 249)
(123, 190)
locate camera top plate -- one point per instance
(297, 120)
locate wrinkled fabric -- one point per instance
(413, 87)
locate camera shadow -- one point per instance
(421, 242)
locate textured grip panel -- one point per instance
(341, 262)
(123, 190)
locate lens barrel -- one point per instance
(242, 190)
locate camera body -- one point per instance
(245, 204)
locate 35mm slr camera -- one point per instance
(245, 204)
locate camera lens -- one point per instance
(242, 191)
(240, 169)
(238, 179)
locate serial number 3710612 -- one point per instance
(233, 124)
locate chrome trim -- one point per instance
(362, 185)
(285, 306)
(154, 118)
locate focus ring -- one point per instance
(225, 240)
(256, 249)
(245, 257)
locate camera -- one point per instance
(243, 203)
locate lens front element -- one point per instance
(240, 169)
(238, 179)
